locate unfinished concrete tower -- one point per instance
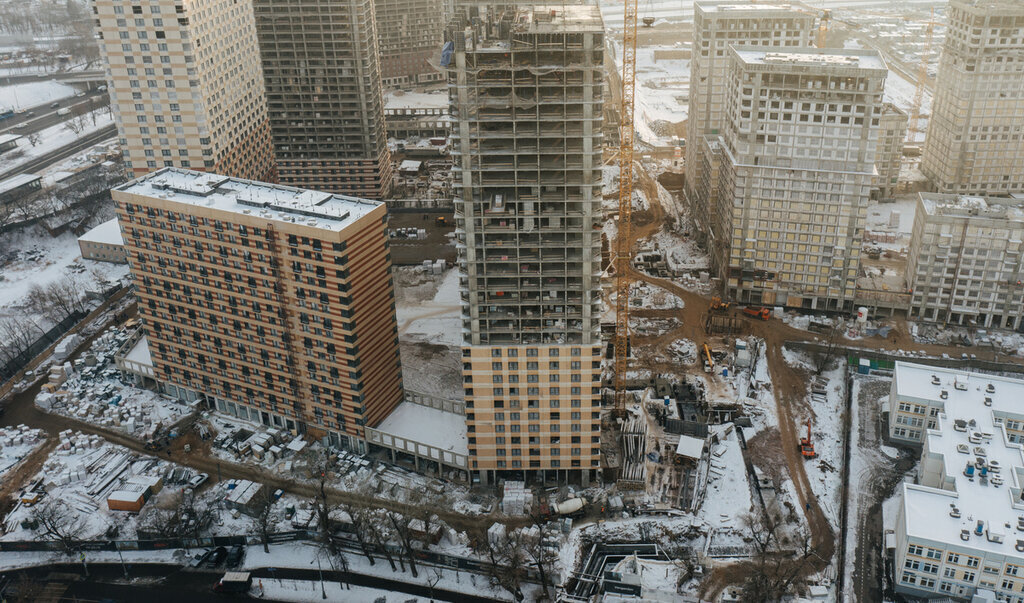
(717, 25)
(321, 65)
(798, 162)
(975, 143)
(526, 89)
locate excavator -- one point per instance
(761, 313)
(806, 445)
(717, 305)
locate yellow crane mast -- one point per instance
(623, 250)
(922, 77)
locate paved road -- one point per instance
(43, 116)
(43, 161)
(96, 75)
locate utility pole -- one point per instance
(121, 557)
(85, 567)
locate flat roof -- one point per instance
(857, 58)
(969, 432)
(108, 232)
(259, 199)
(551, 18)
(690, 447)
(970, 206)
(426, 425)
(15, 181)
(746, 7)
(140, 352)
(5, 138)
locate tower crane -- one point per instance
(922, 77)
(623, 250)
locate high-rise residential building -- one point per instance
(321, 65)
(957, 527)
(716, 26)
(410, 33)
(975, 141)
(526, 87)
(273, 303)
(798, 161)
(965, 263)
(889, 159)
(184, 87)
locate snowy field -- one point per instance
(53, 138)
(436, 320)
(33, 94)
(33, 257)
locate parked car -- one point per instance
(198, 480)
(200, 558)
(216, 557)
(235, 556)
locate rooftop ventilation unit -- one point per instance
(953, 511)
(988, 400)
(960, 385)
(991, 389)
(966, 535)
(935, 380)
(944, 395)
(959, 425)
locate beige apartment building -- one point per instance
(717, 25)
(321, 66)
(798, 161)
(410, 34)
(965, 265)
(975, 141)
(957, 527)
(526, 87)
(892, 131)
(274, 304)
(184, 87)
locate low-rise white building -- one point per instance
(960, 527)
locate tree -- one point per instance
(263, 521)
(33, 138)
(822, 358)
(319, 466)
(543, 557)
(775, 572)
(58, 521)
(361, 518)
(400, 523)
(508, 559)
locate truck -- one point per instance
(762, 313)
(234, 582)
(64, 111)
(570, 507)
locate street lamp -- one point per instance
(121, 557)
(323, 591)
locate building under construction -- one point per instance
(526, 88)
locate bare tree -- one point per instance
(508, 560)
(320, 468)
(361, 518)
(18, 333)
(404, 533)
(58, 521)
(775, 571)
(263, 521)
(196, 515)
(543, 557)
(822, 358)
(33, 138)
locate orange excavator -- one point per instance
(717, 305)
(806, 445)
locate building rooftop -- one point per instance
(431, 426)
(553, 18)
(108, 233)
(981, 470)
(6, 138)
(267, 201)
(15, 181)
(812, 57)
(743, 7)
(1001, 208)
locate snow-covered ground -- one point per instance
(880, 216)
(728, 494)
(32, 94)
(825, 472)
(53, 138)
(443, 430)
(32, 257)
(437, 320)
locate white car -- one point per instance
(198, 480)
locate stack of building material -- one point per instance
(633, 474)
(516, 499)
